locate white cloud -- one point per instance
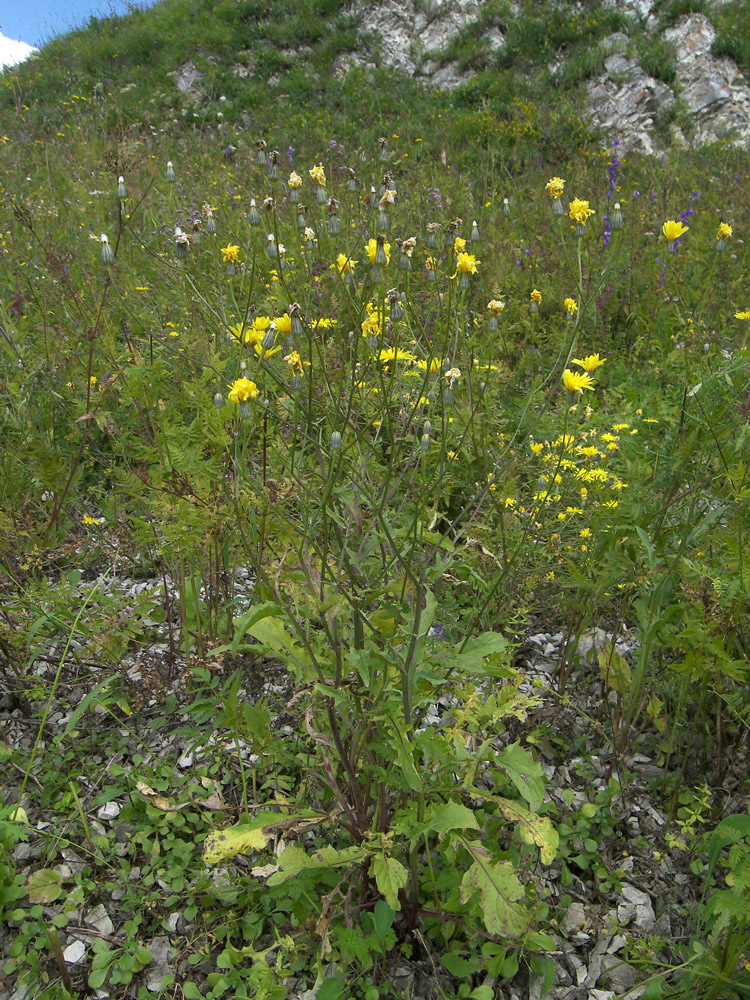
(12, 52)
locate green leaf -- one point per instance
(441, 817)
(524, 772)
(461, 967)
(482, 993)
(384, 917)
(390, 876)
(404, 755)
(542, 966)
(294, 860)
(332, 988)
(44, 886)
(499, 892)
(533, 829)
(191, 992)
(653, 990)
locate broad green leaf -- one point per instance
(293, 860)
(499, 892)
(390, 876)
(461, 967)
(441, 817)
(482, 993)
(44, 886)
(332, 988)
(250, 617)
(524, 772)
(534, 829)
(384, 917)
(654, 989)
(272, 633)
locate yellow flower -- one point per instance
(429, 264)
(571, 305)
(283, 323)
(87, 519)
(231, 254)
(590, 363)
(395, 354)
(673, 230)
(433, 365)
(466, 263)
(344, 264)
(92, 380)
(725, 231)
(580, 211)
(742, 315)
(536, 447)
(295, 363)
(555, 186)
(318, 174)
(295, 180)
(536, 296)
(576, 382)
(241, 390)
(372, 248)
(495, 306)
(459, 245)
(371, 326)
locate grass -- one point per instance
(270, 510)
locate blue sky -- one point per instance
(36, 21)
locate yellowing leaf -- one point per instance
(534, 829)
(44, 886)
(223, 844)
(499, 892)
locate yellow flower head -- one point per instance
(580, 211)
(344, 264)
(371, 326)
(590, 363)
(372, 248)
(283, 323)
(295, 180)
(576, 381)
(231, 254)
(555, 186)
(466, 263)
(318, 174)
(241, 390)
(536, 447)
(429, 264)
(742, 315)
(295, 363)
(395, 354)
(571, 305)
(536, 296)
(673, 230)
(495, 306)
(725, 231)
(459, 245)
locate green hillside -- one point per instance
(373, 496)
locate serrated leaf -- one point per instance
(533, 829)
(390, 876)
(294, 860)
(44, 886)
(442, 817)
(499, 892)
(524, 772)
